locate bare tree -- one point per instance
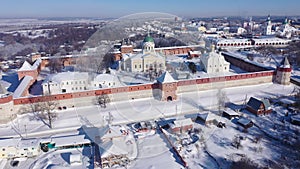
(55, 65)
(236, 142)
(102, 100)
(48, 110)
(42, 110)
(222, 100)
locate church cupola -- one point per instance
(148, 44)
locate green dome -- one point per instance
(148, 38)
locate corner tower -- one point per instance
(283, 72)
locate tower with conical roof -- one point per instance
(283, 72)
(167, 87)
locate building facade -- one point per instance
(214, 62)
(146, 60)
(66, 82)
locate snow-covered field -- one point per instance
(153, 150)
(139, 109)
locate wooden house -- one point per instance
(259, 107)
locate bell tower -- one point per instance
(283, 72)
(268, 28)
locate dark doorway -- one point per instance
(169, 98)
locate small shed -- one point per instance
(230, 114)
(208, 118)
(75, 159)
(295, 119)
(246, 123)
(182, 125)
(259, 107)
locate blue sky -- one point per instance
(118, 8)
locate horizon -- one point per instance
(118, 8)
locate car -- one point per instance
(14, 163)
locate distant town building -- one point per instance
(286, 30)
(268, 26)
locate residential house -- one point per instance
(259, 107)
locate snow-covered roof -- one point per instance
(9, 142)
(233, 40)
(286, 63)
(126, 56)
(208, 116)
(109, 132)
(75, 158)
(69, 140)
(105, 77)
(141, 55)
(183, 122)
(287, 101)
(113, 147)
(67, 76)
(4, 84)
(19, 143)
(26, 67)
(2, 88)
(22, 86)
(166, 78)
(126, 46)
(262, 40)
(255, 103)
(37, 63)
(244, 121)
(295, 118)
(231, 112)
(195, 52)
(29, 143)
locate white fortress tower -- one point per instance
(283, 73)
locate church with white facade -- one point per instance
(214, 62)
(146, 60)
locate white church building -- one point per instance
(214, 62)
(146, 60)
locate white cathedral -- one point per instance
(144, 61)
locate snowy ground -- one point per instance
(54, 159)
(154, 153)
(216, 141)
(137, 110)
